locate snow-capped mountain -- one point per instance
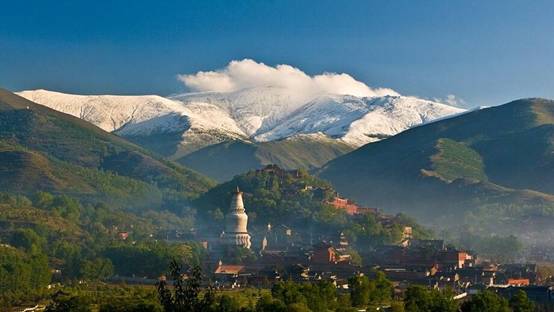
(358, 121)
(199, 124)
(257, 114)
(255, 110)
(109, 112)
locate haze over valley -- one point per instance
(276, 156)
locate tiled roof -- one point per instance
(229, 269)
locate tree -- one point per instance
(355, 257)
(239, 254)
(217, 215)
(67, 207)
(421, 299)
(71, 255)
(141, 259)
(381, 289)
(96, 269)
(22, 274)
(64, 302)
(346, 309)
(28, 240)
(40, 273)
(486, 301)
(228, 304)
(397, 307)
(503, 249)
(43, 200)
(288, 292)
(359, 290)
(267, 304)
(328, 295)
(417, 299)
(186, 295)
(298, 307)
(521, 303)
(130, 306)
(320, 296)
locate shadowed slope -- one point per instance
(486, 158)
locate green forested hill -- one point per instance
(68, 189)
(496, 162)
(67, 192)
(298, 200)
(46, 238)
(225, 160)
(42, 149)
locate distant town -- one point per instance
(281, 255)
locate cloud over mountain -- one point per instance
(247, 73)
(453, 100)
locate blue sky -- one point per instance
(485, 52)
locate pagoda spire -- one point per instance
(236, 202)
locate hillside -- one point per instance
(210, 122)
(495, 163)
(47, 238)
(225, 160)
(42, 149)
(297, 200)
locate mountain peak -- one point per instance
(258, 114)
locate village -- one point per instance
(280, 256)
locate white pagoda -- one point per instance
(236, 223)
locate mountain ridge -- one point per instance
(262, 125)
(58, 152)
(256, 114)
(495, 162)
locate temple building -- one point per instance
(236, 223)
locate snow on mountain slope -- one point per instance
(358, 121)
(139, 115)
(109, 112)
(388, 116)
(254, 109)
(258, 114)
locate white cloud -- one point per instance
(248, 73)
(453, 100)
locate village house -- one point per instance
(410, 276)
(452, 259)
(345, 204)
(518, 282)
(349, 206)
(477, 275)
(525, 273)
(325, 253)
(123, 235)
(230, 275)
